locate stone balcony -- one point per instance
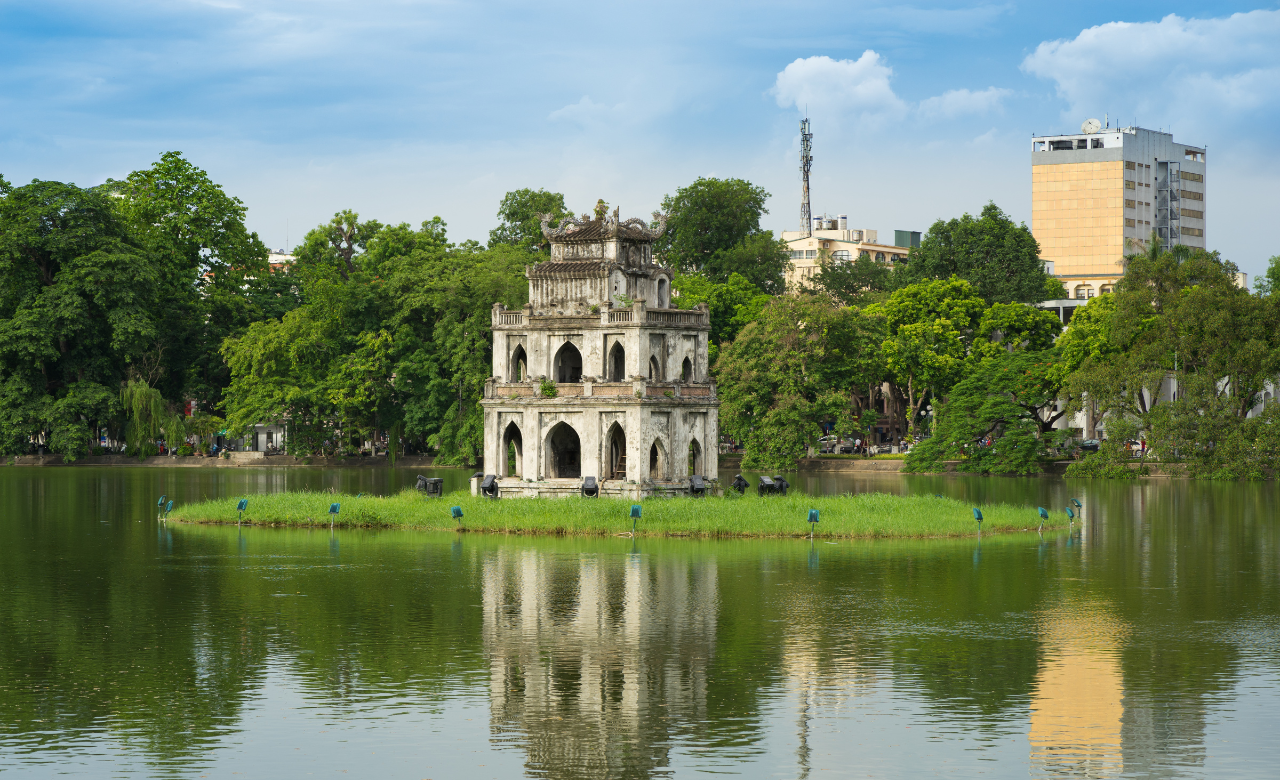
(637, 388)
(698, 317)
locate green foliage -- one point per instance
(713, 225)
(1009, 397)
(999, 258)
(547, 389)
(732, 303)
(930, 325)
(402, 342)
(521, 218)
(857, 283)
(1269, 283)
(791, 370)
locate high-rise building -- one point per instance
(1102, 193)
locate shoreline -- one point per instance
(849, 516)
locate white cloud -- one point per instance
(1191, 73)
(858, 87)
(959, 102)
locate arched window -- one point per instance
(695, 457)
(657, 461)
(864, 255)
(879, 257)
(563, 453)
(1083, 291)
(617, 363)
(841, 256)
(568, 366)
(617, 452)
(664, 293)
(655, 369)
(512, 452)
(686, 371)
(518, 369)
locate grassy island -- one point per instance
(865, 515)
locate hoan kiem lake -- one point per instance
(1145, 642)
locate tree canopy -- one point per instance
(999, 258)
(521, 221)
(713, 227)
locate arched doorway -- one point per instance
(616, 449)
(519, 366)
(564, 453)
(617, 363)
(568, 365)
(686, 371)
(512, 460)
(664, 293)
(655, 369)
(657, 461)
(695, 457)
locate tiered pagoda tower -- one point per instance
(600, 375)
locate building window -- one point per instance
(1082, 143)
(1060, 146)
(1198, 232)
(810, 254)
(797, 254)
(1097, 144)
(1130, 166)
(841, 256)
(1188, 176)
(1189, 195)
(1130, 223)
(1084, 291)
(1193, 214)
(1106, 288)
(879, 257)
(1128, 185)
(1130, 204)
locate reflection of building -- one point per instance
(1077, 709)
(831, 241)
(1099, 194)
(592, 661)
(599, 375)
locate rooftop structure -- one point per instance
(831, 240)
(1102, 193)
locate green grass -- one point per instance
(865, 515)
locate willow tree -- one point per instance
(145, 410)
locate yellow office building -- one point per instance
(1101, 194)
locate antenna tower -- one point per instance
(806, 162)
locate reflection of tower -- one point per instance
(1076, 709)
(592, 659)
(806, 163)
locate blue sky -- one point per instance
(405, 110)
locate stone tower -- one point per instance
(633, 403)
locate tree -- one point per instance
(791, 370)
(1269, 283)
(759, 258)
(714, 224)
(1015, 327)
(856, 283)
(1000, 259)
(930, 327)
(521, 221)
(732, 303)
(218, 279)
(1009, 396)
(81, 309)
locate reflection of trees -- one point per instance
(595, 660)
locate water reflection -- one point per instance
(1140, 644)
(594, 658)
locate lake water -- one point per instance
(1144, 644)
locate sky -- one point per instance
(406, 110)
